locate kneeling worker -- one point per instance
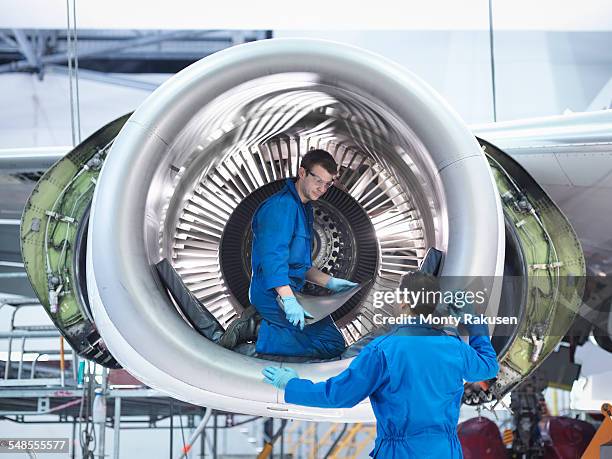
(414, 378)
(281, 263)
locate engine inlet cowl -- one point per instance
(193, 162)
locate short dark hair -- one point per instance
(321, 158)
(427, 284)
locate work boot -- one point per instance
(241, 330)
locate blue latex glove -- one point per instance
(461, 310)
(468, 307)
(339, 285)
(294, 312)
(278, 377)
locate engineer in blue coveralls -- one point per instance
(414, 378)
(281, 264)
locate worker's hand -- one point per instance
(466, 312)
(339, 285)
(459, 308)
(294, 312)
(278, 377)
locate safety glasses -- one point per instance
(320, 182)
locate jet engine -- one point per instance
(182, 176)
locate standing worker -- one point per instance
(281, 263)
(414, 377)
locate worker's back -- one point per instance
(418, 399)
(414, 378)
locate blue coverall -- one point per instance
(281, 255)
(414, 378)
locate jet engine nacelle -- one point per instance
(187, 170)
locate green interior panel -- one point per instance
(554, 269)
(56, 211)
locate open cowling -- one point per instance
(187, 170)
